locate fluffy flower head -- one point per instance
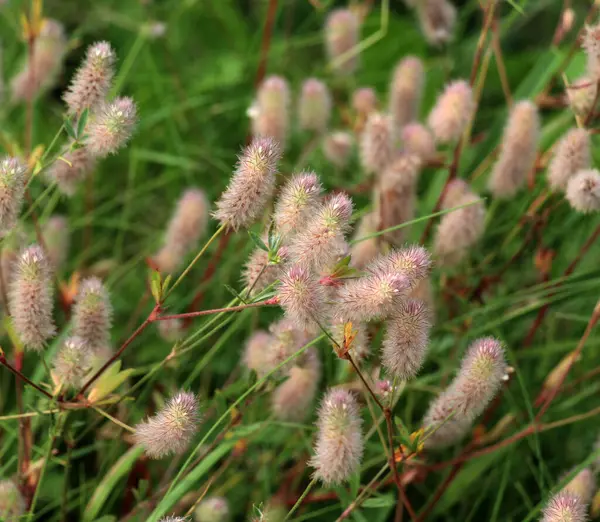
(583, 191)
(12, 188)
(452, 112)
(112, 128)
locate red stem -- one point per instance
(190, 315)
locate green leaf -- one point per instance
(70, 130)
(82, 123)
(258, 241)
(379, 502)
(110, 380)
(156, 286)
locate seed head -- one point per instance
(406, 339)
(406, 91)
(56, 236)
(437, 19)
(591, 46)
(301, 296)
(251, 186)
(565, 507)
(171, 330)
(452, 112)
(69, 173)
(12, 503)
(112, 128)
(342, 32)
(187, 225)
(365, 251)
(339, 446)
(271, 111)
(72, 362)
(459, 230)
(412, 261)
(583, 484)
(519, 149)
(297, 201)
(314, 106)
(377, 143)
(256, 352)
(583, 191)
(417, 140)
(12, 187)
(92, 315)
(93, 80)
(31, 299)
(572, 154)
(337, 147)
(364, 101)
(171, 430)
(581, 95)
(213, 509)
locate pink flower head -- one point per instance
(271, 112)
(70, 172)
(571, 155)
(297, 201)
(301, 296)
(12, 188)
(342, 32)
(314, 106)
(583, 191)
(565, 507)
(92, 315)
(337, 147)
(437, 18)
(413, 261)
(406, 90)
(377, 143)
(452, 112)
(418, 140)
(112, 128)
(364, 100)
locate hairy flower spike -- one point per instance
(591, 45)
(583, 484)
(297, 200)
(437, 19)
(564, 507)
(314, 106)
(342, 32)
(213, 509)
(519, 149)
(92, 315)
(406, 340)
(417, 140)
(112, 128)
(171, 430)
(271, 111)
(93, 80)
(56, 236)
(251, 186)
(72, 362)
(12, 188)
(456, 190)
(301, 296)
(12, 503)
(413, 261)
(337, 148)
(188, 224)
(364, 101)
(581, 95)
(406, 91)
(571, 155)
(287, 339)
(255, 352)
(583, 191)
(67, 173)
(339, 446)
(377, 143)
(31, 299)
(452, 112)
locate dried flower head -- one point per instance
(271, 112)
(519, 150)
(581, 95)
(364, 101)
(93, 80)
(437, 19)
(56, 236)
(171, 330)
(256, 352)
(251, 186)
(342, 32)
(591, 46)
(67, 173)
(339, 446)
(412, 261)
(301, 296)
(564, 507)
(92, 315)
(321, 240)
(583, 484)
(459, 230)
(314, 106)
(187, 225)
(12, 188)
(212, 509)
(171, 430)
(571, 155)
(337, 148)
(418, 140)
(31, 298)
(452, 112)
(406, 339)
(12, 503)
(296, 202)
(406, 91)
(377, 143)
(72, 362)
(366, 250)
(583, 191)
(112, 128)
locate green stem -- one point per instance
(301, 498)
(115, 420)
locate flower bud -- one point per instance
(92, 315)
(406, 340)
(56, 236)
(412, 261)
(301, 296)
(437, 19)
(337, 148)
(339, 446)
(72, 362)
(571, 155)
(583, 191)
(591, 46)
(365, 251)
(417, 140)
(188, 224)
(112, 128)
(314, 106)
(212, 509)
(12, 188)
(12, 503)
(406, 91)
(271, 112)
(581, 95)
(364, 101)
(519, 150)
(565, 506)
(342, 32)
(171, 430)
(377, 143)
(93, 80)
(31, 299)
(452, 112)
(67, 173)
(297, 201)
(251, 186)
